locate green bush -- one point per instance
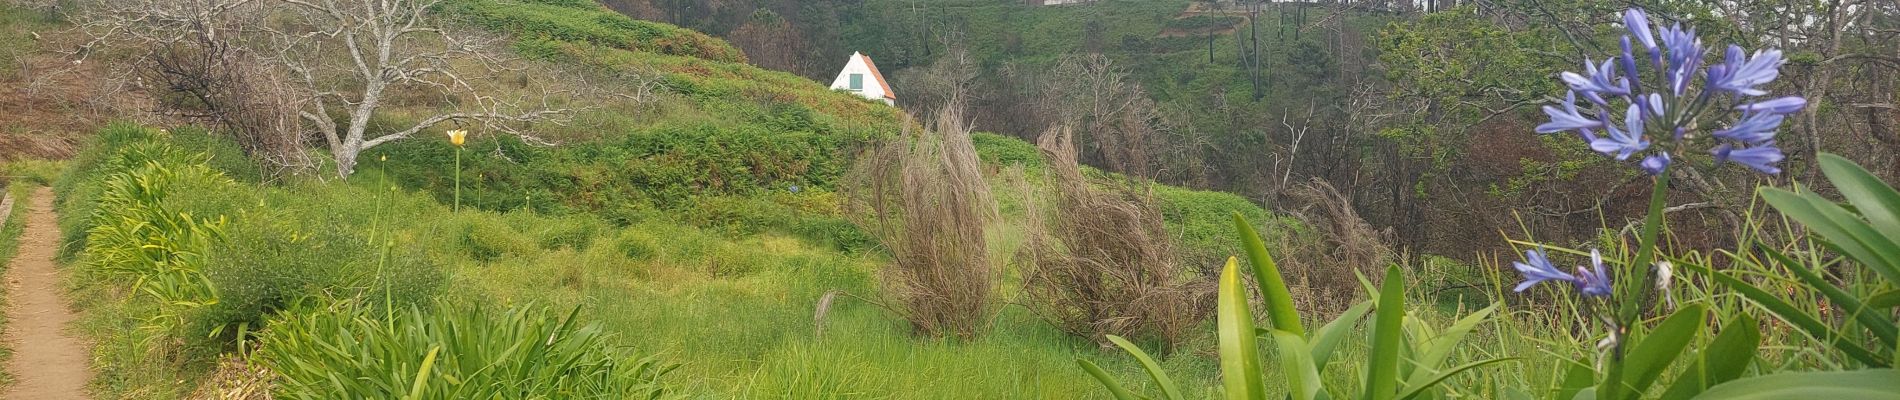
(1005, 150)
(452, 352)
(272, 260)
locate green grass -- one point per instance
(734, 310)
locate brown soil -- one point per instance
(48, 362)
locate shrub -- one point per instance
(929, 205)
(452, 352)
(1107, 265)
(272, 260)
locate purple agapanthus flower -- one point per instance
(1567, 118)
(1753, 128)
(1741, 76)
(1783, 105)
(1537, 268)
(1597, 82)
(1674, 103)
(1593, 281)
(1623, 142)
(1761, 158)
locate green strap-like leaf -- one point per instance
(1239, 359)
(1279, 301)
(1114, 387)
(1648, 359)
(1160, 376)
(1327, 338)
(1793, 316)
(1723, 360)
(1841, 228)
(1875, 321)
(1885, 300)
(1382, 374)
(1302, 377)
(1578, 376)
(1868, 384)
(1441, 345)
(1875, 200)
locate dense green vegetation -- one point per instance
(734, 313)
(698, 237)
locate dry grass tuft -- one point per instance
(1105, 263)
(1323, 264)
(929, 206)
(236, 379)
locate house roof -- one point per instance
(888, 94)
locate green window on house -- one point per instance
(857, 81)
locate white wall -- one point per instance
(872, 90)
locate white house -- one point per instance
(860, 76)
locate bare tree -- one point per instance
(386, 45)
(260, 66)
(1113, 113)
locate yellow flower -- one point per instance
(457, 136)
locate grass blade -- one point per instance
(1577, 377)
(1415, 389)
(1839, 227)
(1441, 345)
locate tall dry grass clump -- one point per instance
(1105, 263)
(1324, 266)
(929, 206)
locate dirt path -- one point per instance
(47, 362)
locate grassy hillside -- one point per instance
(699, 228)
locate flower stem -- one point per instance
(1636, 275)
(458, 179)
